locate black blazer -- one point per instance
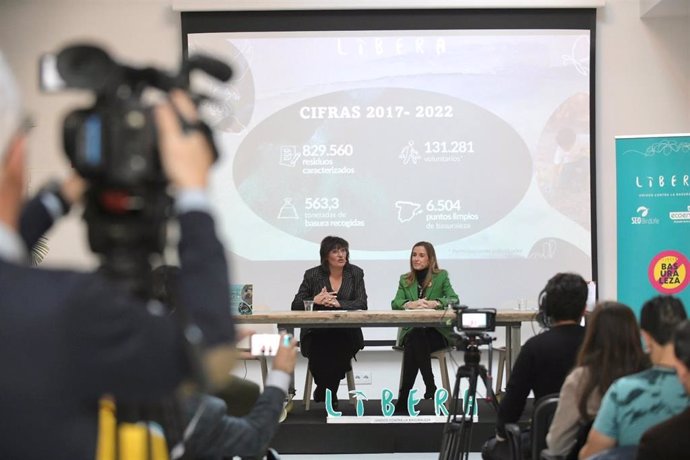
(351, 296)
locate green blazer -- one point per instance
(440, 289)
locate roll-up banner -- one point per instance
(653, 196)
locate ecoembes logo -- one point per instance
(680, 217)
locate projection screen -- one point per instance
(470, 129)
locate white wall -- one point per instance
(642, 86)
(143, 31)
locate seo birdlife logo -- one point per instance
(641, 217)
(668, 272)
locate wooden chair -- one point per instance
(262, 362)
(243, 346)
(503, 366)
(350, 376)
(441, 356)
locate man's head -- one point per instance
(681, 343)
(563, 298)
(659, 317)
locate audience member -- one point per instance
(237, 421)
(545, 359)
(425, 286)
(336, 284)
(612, 348)
(67, 338)
(217, 435)
(639, 401)
(669, 440)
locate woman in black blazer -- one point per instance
(334, 285)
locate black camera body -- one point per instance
(113, 145)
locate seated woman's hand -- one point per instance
(332, 302)
(327, 299)
(432, 304)
(422, 304)
(322, 297)
(414, 305)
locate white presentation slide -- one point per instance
(477, 141)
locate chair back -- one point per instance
(513, 435)
(542, 416)
(581, 438)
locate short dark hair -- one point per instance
(660, 315)
(330, 243)
(681, 343)
(564, 297)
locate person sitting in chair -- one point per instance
(425, 286)
(639, 401)
(336, 284)
(545, 359)
(612, 349)
(669, 439)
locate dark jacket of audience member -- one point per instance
(545, 359)
(216, 434)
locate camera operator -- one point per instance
(67, 338)
(545, 359)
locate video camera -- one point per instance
(113, 145)
(477, 320)
(473, 325)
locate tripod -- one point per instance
(457, 433)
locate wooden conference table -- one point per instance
(510, 319)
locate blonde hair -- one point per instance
(433, 264)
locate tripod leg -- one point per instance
(451, 446)
(455, 396)
(457, 434)
(490, 395)
(468, 408)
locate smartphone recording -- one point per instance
(264, 344)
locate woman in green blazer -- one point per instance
(424, 287)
